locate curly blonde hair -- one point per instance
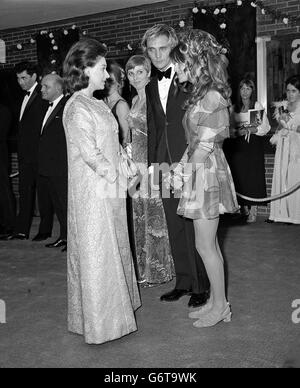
(205, 64)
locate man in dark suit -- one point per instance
(52, 162)
(7, 211)
(167, 144)
(32, 111)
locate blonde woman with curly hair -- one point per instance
(207, 185)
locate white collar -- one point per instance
(32, 88)
(56, 101)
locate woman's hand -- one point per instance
(245, 130)
(173, 181)
(242, 131)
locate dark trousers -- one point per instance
(7, 202)
(52, 198)
(27, 191)
(189, 267)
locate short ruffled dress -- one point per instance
(208, 190)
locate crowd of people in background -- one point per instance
(83, 156)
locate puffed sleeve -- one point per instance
(211, 101)
(211, 127)
(81, 132)
(265, 127)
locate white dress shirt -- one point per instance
(50, 110)
(26, 99)
(164, 88)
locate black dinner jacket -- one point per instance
(52, 160)
(30, 127)
(166, 135)
(5, 121)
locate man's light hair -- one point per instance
(158, 30)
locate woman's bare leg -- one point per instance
(208, 247)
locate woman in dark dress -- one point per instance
(245, 149)
(118, 105)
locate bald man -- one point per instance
(52, 164)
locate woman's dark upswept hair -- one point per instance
(239, 102)
(205, 63)
(293, 80)
(81, 55)
(115, 69)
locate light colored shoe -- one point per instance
(212, 318)
(200, 312)
(251, 219)
(252, 215)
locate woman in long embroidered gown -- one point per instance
(153, 253)
(287, 158)
(102, 288)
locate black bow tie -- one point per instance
(27, 94)
(164, 74)
(50, 104)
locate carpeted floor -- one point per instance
(263, 263)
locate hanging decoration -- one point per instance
(51, 38)
(221, 16)
(220, 13)
(50, 35)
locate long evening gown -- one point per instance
(210, 190)
(153, 254)
(287, 172)
(247, 159)
(102, 288)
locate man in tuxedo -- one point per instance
(52, 163)
(7, 211)
(167, 144)
(32, 111)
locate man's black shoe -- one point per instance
(41, 237)
(198, 300)
(57, 244)
(18, 236)
(174, 295)
(268, 221)
(4, 236)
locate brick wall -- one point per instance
(269, 161)
(128, 25)
(265, 25)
